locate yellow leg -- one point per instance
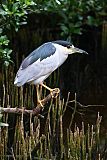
(51, 90)
(48, 88)
(38, 96)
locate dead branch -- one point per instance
(36, 111)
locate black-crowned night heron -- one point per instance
(43, 61)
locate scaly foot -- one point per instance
(56, 90)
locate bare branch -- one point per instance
(36, 111)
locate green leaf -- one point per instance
(92, 21)
(64, 29)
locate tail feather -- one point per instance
(19, 82)
(20, 79)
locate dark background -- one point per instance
(85, 75)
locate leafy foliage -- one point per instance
(13, 14)
(4, 50)
(74, 15)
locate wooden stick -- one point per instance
(36, 111)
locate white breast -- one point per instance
(61, 54)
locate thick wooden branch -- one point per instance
(36, 111)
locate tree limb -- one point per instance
(36, 111)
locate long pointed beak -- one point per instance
(77, 50)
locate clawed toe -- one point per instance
(56, 90)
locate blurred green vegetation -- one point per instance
(74, 15)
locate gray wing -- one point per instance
(40, 62)
(44, 51)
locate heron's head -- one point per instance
(69, 47)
